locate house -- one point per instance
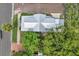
(40, 23)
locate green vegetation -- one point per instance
(65, 43)
(15, 24)
(14, 35)
(71, 33)
(14, 31)
(15, 19)
(21, 53)
(52, 43)
(30, 42)
(6, 27)
(26, 14)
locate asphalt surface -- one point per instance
(5, 17)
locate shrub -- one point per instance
(66, 42)
(30, 42)
(6, 27)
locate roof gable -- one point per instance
(39, 23)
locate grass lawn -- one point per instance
(14, 35)
(21, 36)
(14, 31)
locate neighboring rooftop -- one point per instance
(40, 23)
(40, 7)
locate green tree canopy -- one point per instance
(30, 42)
(6, 27)
(66, 42)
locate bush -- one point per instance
(6, 27)
(30, 42)
(64, 43)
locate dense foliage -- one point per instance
(71, 33)
(30, 42)
(6, 27)
(66, 42)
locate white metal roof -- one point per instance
(29, 25)
(39, 23)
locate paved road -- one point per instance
(5, 17)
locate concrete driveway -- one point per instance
(5, 17)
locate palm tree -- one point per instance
(6, 27)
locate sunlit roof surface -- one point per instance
(39, 23)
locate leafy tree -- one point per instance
(30, 42)
(71, 32)
(65, 42)
(53, 42)
(6, 27)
